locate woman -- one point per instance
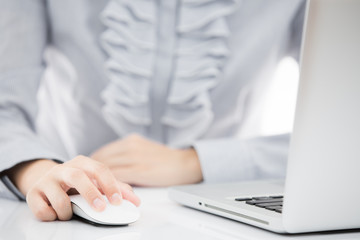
(154, 92)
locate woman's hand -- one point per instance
(46, 185)
(138, 161)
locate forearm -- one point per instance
(228, 160)
(140, 161)
(192, 172)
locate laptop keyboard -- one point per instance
(272, 203)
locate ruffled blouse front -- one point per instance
(195, 57)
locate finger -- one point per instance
(128, 175)
(107, 182)
(59, 201)
(103, 177)
(128, 193)
(76, 178)
(130, 196)
(111, 149)
(125, 186)
(39, 206)
(140, 176)
(131, 143)
(97, 185)
(120, 160)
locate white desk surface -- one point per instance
(160, 219)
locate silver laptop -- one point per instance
(322, 187)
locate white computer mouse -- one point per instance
(122, 214)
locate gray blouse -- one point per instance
(180, 72)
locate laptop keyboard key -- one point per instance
(262, 198)
(273, 208)
(271, 203)
(253, 201)
(277, 196)
(242, 199)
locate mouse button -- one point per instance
(83, 206)
(80, 202)
(77, 199)
(79, 212)
(123, 213)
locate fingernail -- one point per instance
(116, 198)
(99, 204)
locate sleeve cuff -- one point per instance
(229, 160)
(11, 187)
(224, 160)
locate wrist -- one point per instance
(26, 174)
(192, 163)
